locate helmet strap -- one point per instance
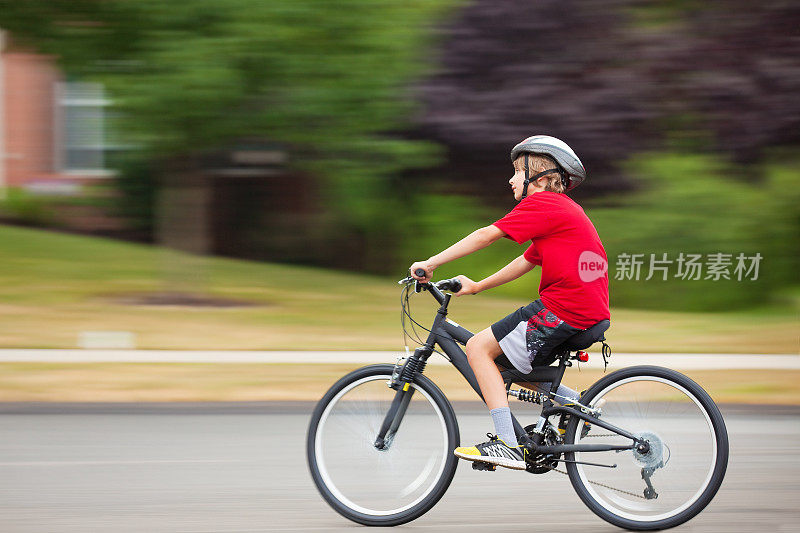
(528, 178)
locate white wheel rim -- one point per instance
(604, 501)
(323, 470)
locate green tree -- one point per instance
(327, 81)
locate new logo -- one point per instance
(591, 266)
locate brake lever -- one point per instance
(418, 287)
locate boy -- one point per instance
(562, 237)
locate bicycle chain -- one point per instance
(597, 482)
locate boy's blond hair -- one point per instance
(540, 163)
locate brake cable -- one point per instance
(405, 304)
(406, 312)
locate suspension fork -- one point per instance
(394, 416)
(405, 391)
(414, 365)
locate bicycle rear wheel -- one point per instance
(682, 469)
(381, 487)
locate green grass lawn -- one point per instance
(167, 382)
(54, 286)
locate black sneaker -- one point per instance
(495, 452)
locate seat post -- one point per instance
(563, 359)
(563, 362)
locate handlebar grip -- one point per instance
(452, 285)
(420, 272)
(455, 285)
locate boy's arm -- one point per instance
(510, 272)
(477, 240)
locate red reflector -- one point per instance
(583, 357)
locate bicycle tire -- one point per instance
(435, 398)
(720, 451)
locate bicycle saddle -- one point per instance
(587, 337)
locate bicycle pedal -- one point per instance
(477, 465)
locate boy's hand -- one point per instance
(467, 286)
(424, 265)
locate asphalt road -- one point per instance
(241, 468)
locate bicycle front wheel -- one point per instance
(373, 486)
(682, 466)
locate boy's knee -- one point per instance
(472, 347)
(477, 348)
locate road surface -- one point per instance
(241, 468)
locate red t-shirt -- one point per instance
(565, 244)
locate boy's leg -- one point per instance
(565, 394)
(482, 350)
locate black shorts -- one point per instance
(529, 335)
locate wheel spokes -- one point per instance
(679, 458)
(370, 480)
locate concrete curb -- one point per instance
(285, 408)
(680, 361)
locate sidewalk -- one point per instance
(680, 361)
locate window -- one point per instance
(81, 116)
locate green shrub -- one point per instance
(695, 204)
(23, 207)
(137, 182)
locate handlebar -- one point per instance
(452, 284)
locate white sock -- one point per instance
(503, 425)
(564, 391)
(565, 394)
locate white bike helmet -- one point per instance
(569, 166)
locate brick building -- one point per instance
(55, 139)
(51, 129)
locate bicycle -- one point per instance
(644, 447)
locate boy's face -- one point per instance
(516, 182)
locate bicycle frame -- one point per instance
(447, 335)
